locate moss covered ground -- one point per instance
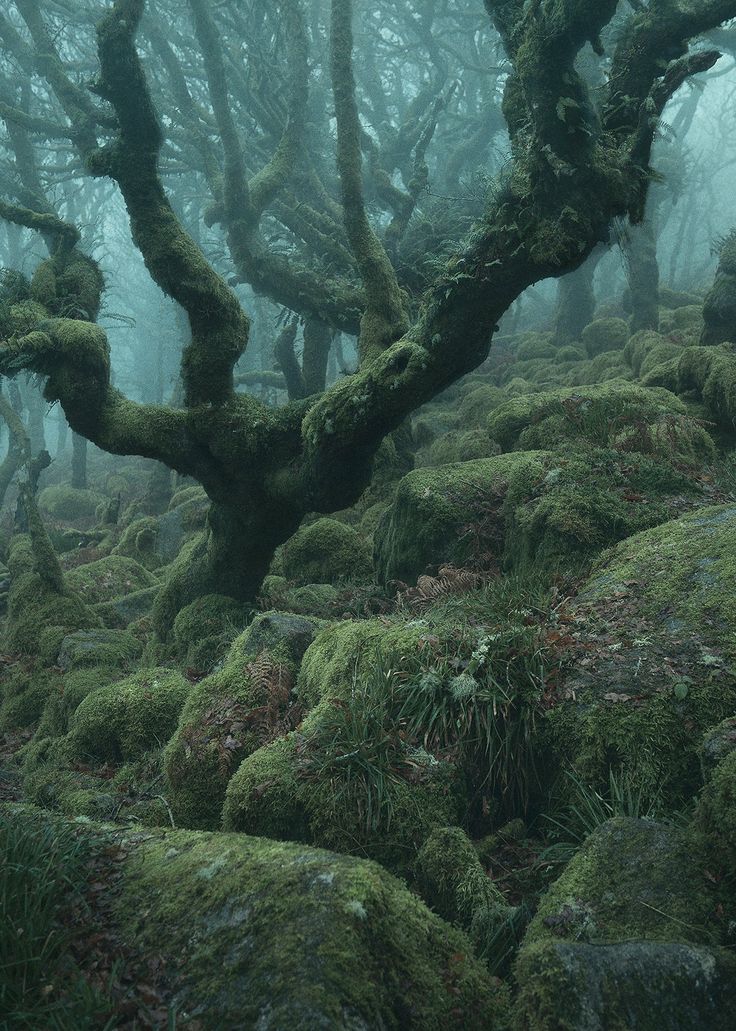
(468, 758)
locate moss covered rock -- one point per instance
(40, 613)
(139, 542)
(653, 986)
(475, 406)
(605, 335)
(234, 711)
(616, 414)
(434, 512)
(112, 577)
(457, 446)
(123, 720)
(99, 648)
(655, 626)
(204, 630)
(530, 508)
(626, 937)
(326, 550)
(269, 935)
(69, 504)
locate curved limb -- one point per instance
(219, 326)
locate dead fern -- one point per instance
(230, 725)
(449, 580)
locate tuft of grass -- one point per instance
(587, 808)
(42, 870)
(361, 751)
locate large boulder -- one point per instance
(522, 510)
(259, 934)
(649, 668)
(111, 577)
(627, 935)
(324, 551)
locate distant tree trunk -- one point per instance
(35, 407)
(317, 344)
(159, 490)
(575, 303)
(79, 462)
(62, 431)
(719, 310)
(643, 276)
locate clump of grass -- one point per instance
(42, 870)
(361, 751)
(586, 808)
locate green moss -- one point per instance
(326, 550)
(23, 695)
(586, 502)
(476, 405)
(291, 937)
(24, 316)
(68, 691)
(685, 569)
(535, 345)
(263, 797)
(139, 542)
(125, 719)
(99, 648)
(185, 495)
(605, 335)
(719, 741)
(204, 630)
(428, 523)
(109, 578)
(69, 504)
(657, 626)
(457, 446)
(40, 614)
(539, 508)
(648, 985)
(232, 712)
(716, 814)
(593, 413)
(452, 881)
(631, 879)
(320, 600)
(569, 353)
